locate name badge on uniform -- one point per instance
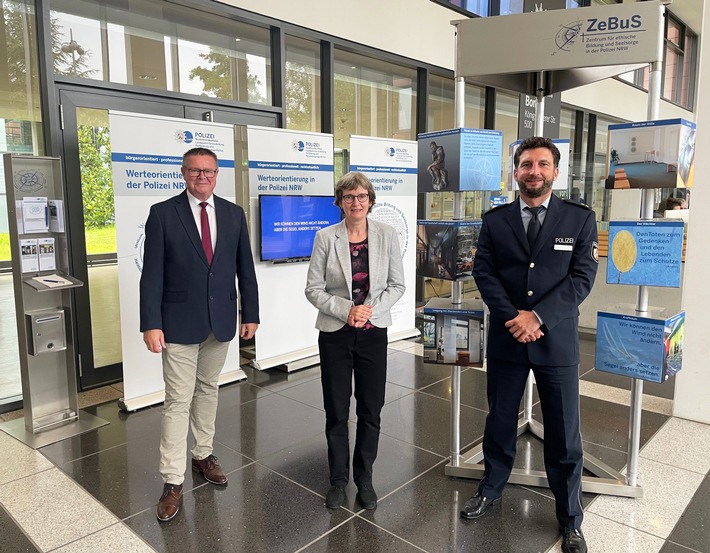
(564, 244)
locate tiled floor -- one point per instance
(97, 492)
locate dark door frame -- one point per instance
(71, 98)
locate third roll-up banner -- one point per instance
(391, 166)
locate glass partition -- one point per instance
(303, 98)
(168, 47)
(373, 98)
(20, 132)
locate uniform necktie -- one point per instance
(534, 224)
(206, 235)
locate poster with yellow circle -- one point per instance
(645, 253)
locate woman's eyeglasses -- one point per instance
(349, 198)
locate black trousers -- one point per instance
(558, 388)
(344, 353)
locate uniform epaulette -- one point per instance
(572, 202)
(497, 207)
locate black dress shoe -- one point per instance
(366, 496)
(477, 506)
(335, 497)
(573, 541)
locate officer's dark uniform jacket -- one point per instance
(553, 279)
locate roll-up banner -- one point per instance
(146, 158)
(285, 163)
(391, 166)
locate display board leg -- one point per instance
(455, 414)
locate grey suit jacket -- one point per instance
(329, 283)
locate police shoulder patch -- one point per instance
(595, 251)
(571, 202)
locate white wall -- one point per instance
(693, 381)
(421, 30)
(417, 29)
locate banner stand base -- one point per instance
(299, 364)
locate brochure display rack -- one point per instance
(43, 288)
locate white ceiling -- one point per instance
(689, 12)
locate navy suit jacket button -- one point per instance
(530, 292)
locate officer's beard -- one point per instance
(535, 192)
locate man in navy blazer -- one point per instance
(196, 244)
(536, 262)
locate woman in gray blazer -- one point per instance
(354, 278)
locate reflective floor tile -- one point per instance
(604, 535)
(266, 425)
(424, 420)
(311, 393)
(426, 513)
(122, 428)
(676, 436)
(12, 538)
(356, 535)
(607, 424)
(473, 389)
(693, 528)
(619, 396)
(410, 371)
(307, 464)
(53, 510)
(241, 392)
(114, 538)
(259, 511)
(665, 389)
(666, 493)
(126, 478)
(671, 547)
(17, 460)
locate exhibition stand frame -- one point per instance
(43, 299)
(582, 43)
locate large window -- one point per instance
(303, 100)
(373, 98)
(168, 48)
(679, 65)
(441, 104)
(20, 132)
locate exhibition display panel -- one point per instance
(43, 299)
(578, 55)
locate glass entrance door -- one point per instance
(90, 214)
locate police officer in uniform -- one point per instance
(536, 262)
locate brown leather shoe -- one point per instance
(169, 503)
(210, 469)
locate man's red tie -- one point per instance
(206, 235)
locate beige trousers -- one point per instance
(190, 373)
